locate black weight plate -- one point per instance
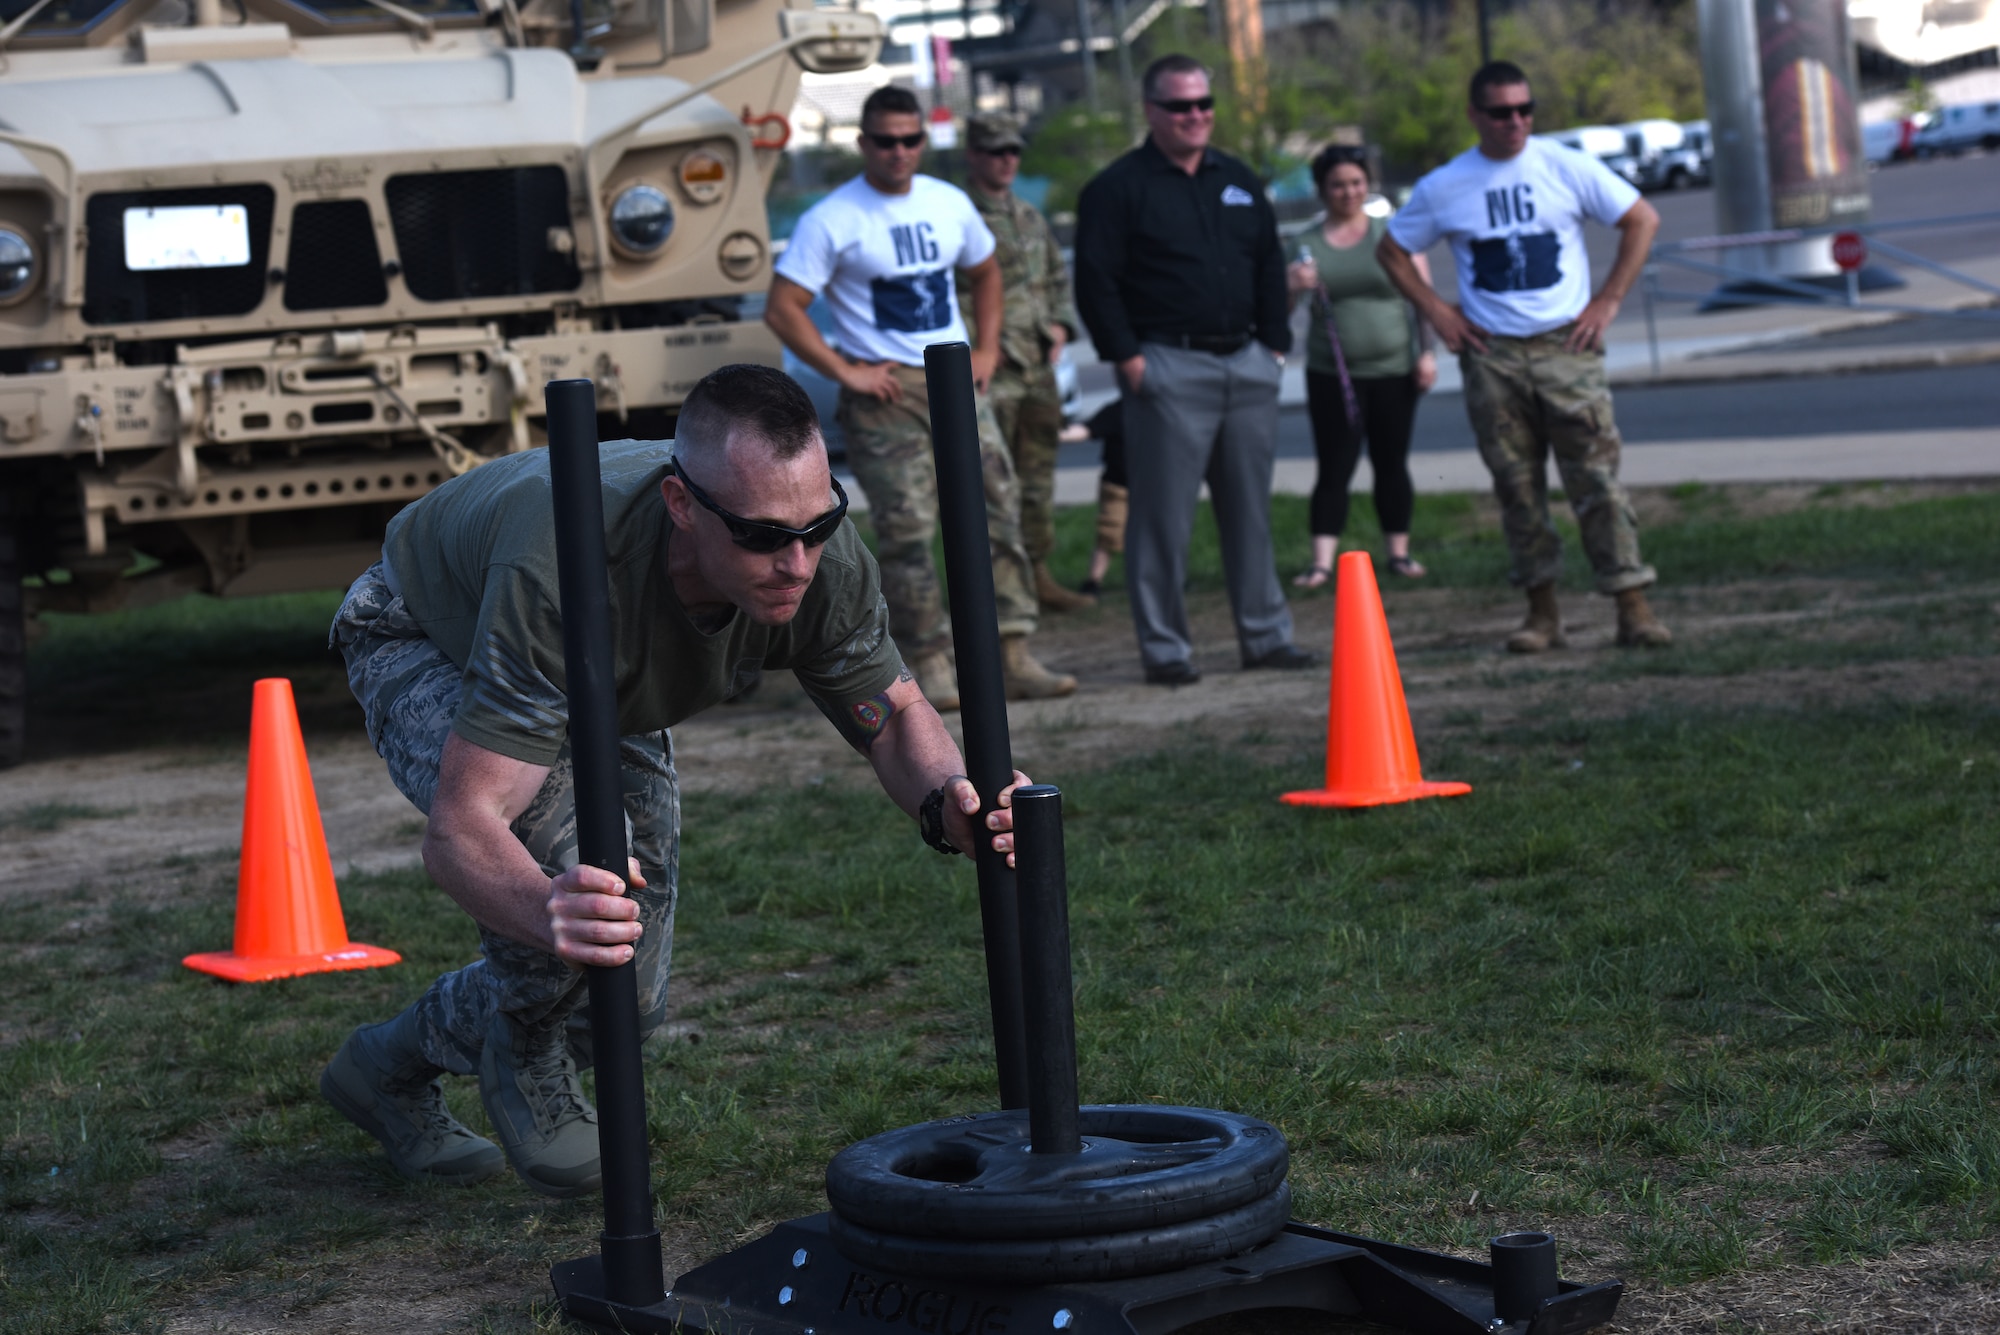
(1142, 1167)
(1146, 1251)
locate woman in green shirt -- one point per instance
(1364, 379)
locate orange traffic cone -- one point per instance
(288, 918)
(1371, 755)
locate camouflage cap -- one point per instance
(993, 130)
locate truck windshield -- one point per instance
(59, 15)
(77, 16)
(348, 11)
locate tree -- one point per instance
(1398, 70)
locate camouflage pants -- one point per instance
(1528, 398)
(889, 449)
(409, 692)
(1027, 406)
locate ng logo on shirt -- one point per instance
(1504, 208)
(914, 244)
(913, 303)
(1526, 262)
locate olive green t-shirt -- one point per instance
(475, 561)
(1375, 323)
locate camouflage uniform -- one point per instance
(409, 693)
(1528, 398)
(889, 449)
(1026, 403)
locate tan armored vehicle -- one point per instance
(271, 269)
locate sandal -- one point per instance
(1406, 566)
(1312, 577)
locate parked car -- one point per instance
(1659, 153)
(1693, 163)
(1955, 129)
(1606, 143)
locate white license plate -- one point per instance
(201, 236)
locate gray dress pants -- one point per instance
(1198, 417)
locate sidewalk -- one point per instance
(1755, 342)
(1720, 345)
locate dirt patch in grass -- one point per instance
(406, 1294)
(1936, 1290)
(162, 807)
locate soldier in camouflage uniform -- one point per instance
(882, 250)
(1037, 321)
(1526, 391)
(453, 644)
(1530, 340)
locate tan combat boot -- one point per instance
(1026, 678)
(1054, 597)
(1636, 623)
(1543, 629)
(938, 680)
(1113, 505)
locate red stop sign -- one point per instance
(1850, 252)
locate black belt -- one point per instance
(1222, 345)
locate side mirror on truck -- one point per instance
(831, 41)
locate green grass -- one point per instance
(46, 817)
(1707, 994)
(1954, 538)
(1706, 542)
(1719, 998)
(186, 637)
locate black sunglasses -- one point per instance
(885, 142)
(1004, 151)
(1525, 110)
(755, 535)
(1181, 106)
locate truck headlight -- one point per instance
(17, 265)
(642, 218)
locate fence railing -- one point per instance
(1775, 290)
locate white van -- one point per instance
(1955, 129)
(1891, 141)
(1604, 142)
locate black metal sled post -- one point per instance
(1124, 1220)
(632, 1271)
(982, 694)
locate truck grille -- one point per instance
(472, 234)
(333, 260)
(114, 294)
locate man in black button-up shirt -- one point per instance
(1181, 282)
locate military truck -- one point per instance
(269, 273)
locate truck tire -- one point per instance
(13, 648)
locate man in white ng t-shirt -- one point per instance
(1530, 340)
(882, 249)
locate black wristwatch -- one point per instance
(930, 822)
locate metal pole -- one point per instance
(1045, 973)
(1089, 58)
(982, 690)
(1125, 97)
(633, 1269)
(1485, 34)
(1652, 329)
